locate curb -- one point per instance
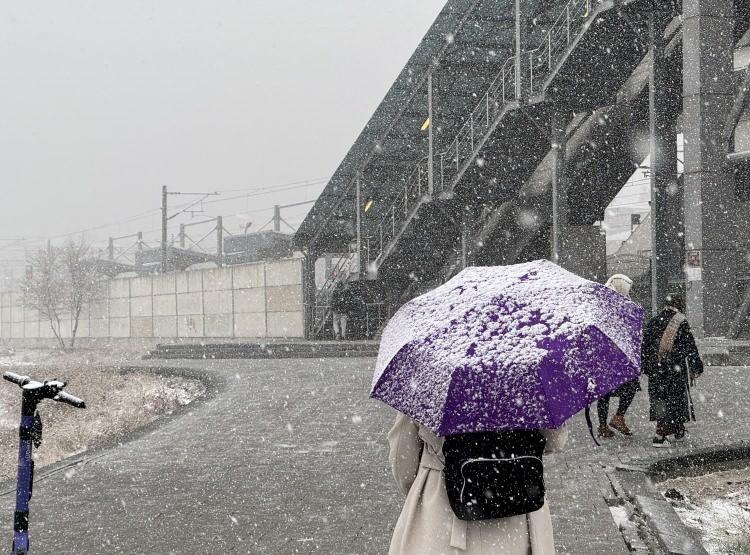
(635, 486)
(263, 350)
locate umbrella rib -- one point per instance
(546, 396)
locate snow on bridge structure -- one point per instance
(515, 124)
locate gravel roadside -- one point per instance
(117, 403)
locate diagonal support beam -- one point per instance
(738, 108)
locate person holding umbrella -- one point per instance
(427, 523)
(671, 361)
(484, 372)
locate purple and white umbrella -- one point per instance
(507, 347)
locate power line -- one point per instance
(303, 182)
(289, 186)
(261, 193)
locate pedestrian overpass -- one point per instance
(514, 125)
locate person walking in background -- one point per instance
(671, 361)
(626, 392)
(340, 305)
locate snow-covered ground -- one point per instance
(9, 358)
(116, 403)
(717, 505)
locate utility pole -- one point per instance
(360, 261)
(430, 145)
(521, 30)
(139, 251)
(164, 229)
(219, 241)
(277, 218)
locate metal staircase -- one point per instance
(537, 67)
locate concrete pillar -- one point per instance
(467, 243)
(361, 262)
(709, 198)
(560, 204)
(666, 209)
(308, 292)
(580, 249)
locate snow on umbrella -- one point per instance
(507, 347)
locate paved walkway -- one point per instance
(289, 456)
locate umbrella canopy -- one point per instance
(507, 347)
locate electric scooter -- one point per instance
(30, 434)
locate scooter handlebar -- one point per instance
(16, 378)
(51, 389)
(64, 397)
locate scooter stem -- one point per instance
(23, 488)
(29, 433)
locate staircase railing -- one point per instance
(415, 186)
(536, 65)
(461, 149)
(541, 60)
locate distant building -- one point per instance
(254, 247)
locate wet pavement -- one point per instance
(289, 456)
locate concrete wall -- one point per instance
(249, 300)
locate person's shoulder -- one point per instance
(654, 321)
(685, 325)
(662, 316)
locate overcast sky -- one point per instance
(102, 103)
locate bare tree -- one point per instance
(45, 290)
(80, 277)
(64, 282)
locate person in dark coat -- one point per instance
(340, 309)
(671, 361)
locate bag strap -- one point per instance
(587, 413)
(670, 333)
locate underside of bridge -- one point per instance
(512, 128)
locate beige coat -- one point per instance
(427, 524)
